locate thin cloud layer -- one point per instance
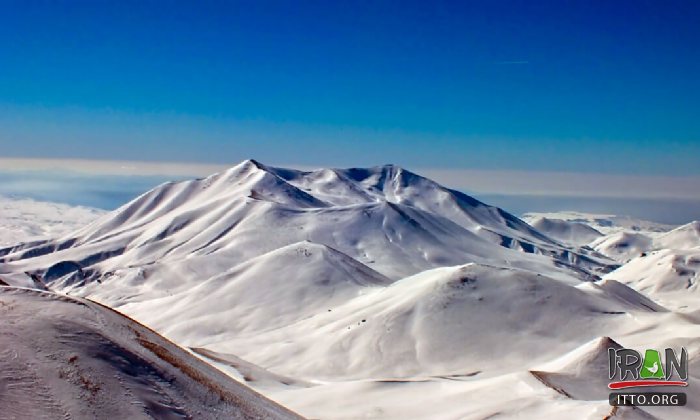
(568, 184)
(504, 182)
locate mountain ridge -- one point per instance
(245, 203)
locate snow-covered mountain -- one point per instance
(623, 246)
(251, 209)
(620, 238)
(665, 262)
(568, 232)
(352, 293)
(663, 272)
(683, 237)
(604, 223)
(71, 358)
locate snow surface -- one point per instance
(569, 232)
(377, 293)
(623, 246)
(70, 358)
(620, 238)
(683, 237)
(604, 223)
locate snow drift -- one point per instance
(69, 358)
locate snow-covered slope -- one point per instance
(604, 223)
(623, 239)
(440, 322)
(662, 271)
(623, 246)
(69, 358)
(665, 267)
(582, 374)
(682, 237)
(272, 291)
(396, 185)
(568, 232)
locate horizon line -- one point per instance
(510, 182)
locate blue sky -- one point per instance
(531, 105)
(584, 86)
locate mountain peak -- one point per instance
(390, 166)
(241, 169)
(694, 225)
(252, 164)
(395, 170)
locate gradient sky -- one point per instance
(581, 86)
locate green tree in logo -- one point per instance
(652, 366)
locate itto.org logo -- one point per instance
(628, 369)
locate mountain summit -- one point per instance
(390, 219)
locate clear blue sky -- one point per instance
(600, 86)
